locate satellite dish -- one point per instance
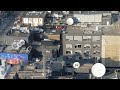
(76, 65)
(15, 45)
(22, 42)
(70, 21)
(98, 70)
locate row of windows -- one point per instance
(86, 52)
(83, 38)
(30, 19)
(85, 46)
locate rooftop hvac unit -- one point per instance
(108, 23)
(83, 25)
(70, 21)
(78, 20)
(37, 60)
(22, 42)
(2, 69)
(115, 12)
(63, 32)
(15, 45)
(55, 15)
(65, 12)
(14, 27)
(96, 28)
(3, 62)
(49, 11)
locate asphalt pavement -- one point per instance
(9, 22)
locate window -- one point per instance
(87, 46)
(96, 38)
(87, 57)
(96, 52)
(68, 52)
(78, 38)
(87, 53)
(77, 52)
(87, 38)
(96, 46)
(96, 58)
(69, 38)
(75, 46)
(68, 45)
(78, 46)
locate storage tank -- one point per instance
(70, 21)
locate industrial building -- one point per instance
(34, 18)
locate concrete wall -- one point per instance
(111, 51)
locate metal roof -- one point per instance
(89, 18)
(35, 15)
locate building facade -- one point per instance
(34, 18)
(81, 45)
(89, 46)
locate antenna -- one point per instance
(98, 70)
(76, 65)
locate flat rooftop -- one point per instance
(22, 49)
(90, 12)
(35, 14)
(103, 30)
(18, 34)
(82, 31)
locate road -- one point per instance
(9, 22)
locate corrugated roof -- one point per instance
(89, 18)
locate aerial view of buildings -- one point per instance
(59, 45)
